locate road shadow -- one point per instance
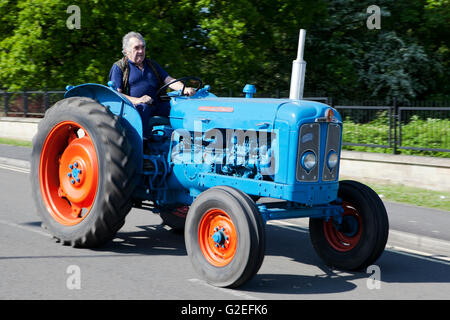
(152, 239)
(298, 284)
(397, 267)
(294, 244)
(33, 224)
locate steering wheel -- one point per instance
(184, 80)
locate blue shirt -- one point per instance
(141, 82)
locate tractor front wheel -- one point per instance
(360, 237)
(225, 237)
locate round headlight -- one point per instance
(309, 160)
(332, 159)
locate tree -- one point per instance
(375, 64)
(41, 52)
(229, 44)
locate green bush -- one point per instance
(418, 133)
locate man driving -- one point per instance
(139, 79)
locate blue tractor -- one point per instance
(203, 170)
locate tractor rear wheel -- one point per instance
(360, 238)
(82, 172)
(225, 237)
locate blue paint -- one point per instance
(75, 172)
(249, 90)
(219, 237)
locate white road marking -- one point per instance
(14, 168)
(420, 254)
(300, 227)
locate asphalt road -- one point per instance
(148, 261)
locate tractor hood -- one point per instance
(244, 113)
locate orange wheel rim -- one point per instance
(68, 173)
(347, 236)
(217, 237)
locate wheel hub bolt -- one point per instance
(219, 237)
(75, 173)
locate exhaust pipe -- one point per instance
(298, 70)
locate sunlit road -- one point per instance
(149, 261)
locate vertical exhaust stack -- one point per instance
(298, 70)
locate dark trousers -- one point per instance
(147, 111)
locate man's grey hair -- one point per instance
(126, 38)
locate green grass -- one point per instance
(411, 195)
(15, 142)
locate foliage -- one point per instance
(230, 44)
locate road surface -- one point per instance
(148, 260)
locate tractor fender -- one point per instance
(118, 105)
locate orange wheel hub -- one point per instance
(68, 173)
(217, 237)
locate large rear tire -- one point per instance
(225, 237)
(82, 172)
(360, 239)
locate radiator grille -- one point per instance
(333, 141)
(309, 140)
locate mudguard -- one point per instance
(118, 105)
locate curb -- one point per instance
(434, 246)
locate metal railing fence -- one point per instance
(418, 126)
(28, 103)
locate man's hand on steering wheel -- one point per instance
(189, 91)
(180, 85)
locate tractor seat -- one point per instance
(158, 121)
